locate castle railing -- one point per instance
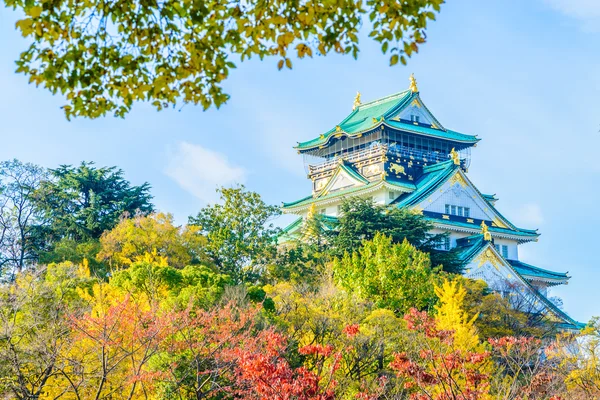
(378, 149)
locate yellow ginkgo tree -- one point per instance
(452, 317)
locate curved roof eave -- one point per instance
(304, 203)
(327, 137)
(520, 236)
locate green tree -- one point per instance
(174, 287)
(297, 262)
(394, 276)
(303, 258)
(80, 203)
(241, 235)
(361, 220)
(104, 56)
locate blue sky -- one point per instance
(523, 75)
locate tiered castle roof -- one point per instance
(385, 112)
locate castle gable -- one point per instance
(344, 177)
(459, 197)
(416, 113)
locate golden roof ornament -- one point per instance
(356, 101)
(487, 236)
(455, 157)
(413, 84)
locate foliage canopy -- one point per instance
(362, 220)
(240, 232)
(104, 56)
(82, 202)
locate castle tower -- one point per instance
(395, 152)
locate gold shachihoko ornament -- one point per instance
(455, 157)
(413, 84)
(485, 232)
(356, 101)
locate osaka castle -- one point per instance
(395, 152)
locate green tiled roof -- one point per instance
(310, 199)
(492, 229)
(470, 246)
(489, 197)
(328, 221)
(444, 134)
(352, 172)
(531, 271)
(433, 176)
(361, 120)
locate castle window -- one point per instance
(392, 195)
(458, 210)
(502, 249)
(323, 211)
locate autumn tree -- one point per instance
(132, 238)
(521, 370)
(19, 218)
(394, 276)
(240, 233)
(434, 369)
(104, 57)
(451, 316)
(499, 316)
(364, 337)
(111, 345)
(577, 357)
(34, 330)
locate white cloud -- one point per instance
(587, 11)
(530, 215)
(200, 171)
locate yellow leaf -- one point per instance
(35, 11)
(25, 25)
